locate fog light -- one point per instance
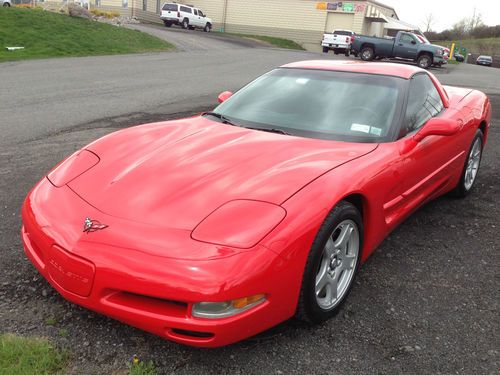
(215, 310)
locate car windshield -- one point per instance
(344, 106)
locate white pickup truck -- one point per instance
(339, 41)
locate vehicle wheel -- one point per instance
(367, 54)
(346, 53)
(424, 61)
(355, 54)
(185, 23)
(325, 49)
(6, 5)
(207, 28)
(336, 51)
(331, 265)
(168, 24)
(471, 167)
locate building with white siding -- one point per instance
(303, 21)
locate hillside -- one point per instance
(45, 34)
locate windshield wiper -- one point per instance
(270, 130)
(223, 118)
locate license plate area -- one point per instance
(70, 272)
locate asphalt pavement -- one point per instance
(426, 302)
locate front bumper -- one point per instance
(143, 289)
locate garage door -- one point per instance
(339, 21)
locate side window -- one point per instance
(407, 38)
(195, 12)
(186, 9)
(201, 13)
(424, 102)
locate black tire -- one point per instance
(185, 24)
(461, 190)
(207, 28)
(346, 53)
(308, 308)
(355, 54)
(367, 54)
(168, 24)
(325, 49)
(6, 5)
(424, 61)
(335, 51)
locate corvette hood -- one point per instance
(176, 173)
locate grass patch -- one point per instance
(45, 34)
(19, 355)
(278, 42)
(484, 46)
(143, 368)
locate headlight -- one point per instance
(72, 167)
(217, 310)
(440, 52)
(239, 223)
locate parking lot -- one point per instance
(425, 302)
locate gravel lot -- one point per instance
(425, 302)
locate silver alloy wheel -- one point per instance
(366, 54)
(337, 265)
(472, 164)
(424, 62)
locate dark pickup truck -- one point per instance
(405, 46)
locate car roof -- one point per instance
(382, 68)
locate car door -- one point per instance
(406, 46)
(427, 167)
(196, 18)
(203, 20)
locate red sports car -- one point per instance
(210, 229)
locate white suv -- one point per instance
(185, 16)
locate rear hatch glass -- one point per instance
(171, 7)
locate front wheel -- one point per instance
(6, 5)
(471, 167)
(325, 49)
(332, 264)
(207, 28)
(367, 54)
(424, 61)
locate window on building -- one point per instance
(158, 7)
(144, 5)
(424, 102)
(97, 3)
(125, 3)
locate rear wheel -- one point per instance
(424, 61)
(185, 23)
(471, 167)
(168, 24)
(325, 49)
(331, 265)
(346, 53)
(367, 54)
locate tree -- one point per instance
(428, 22)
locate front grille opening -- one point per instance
(155, 305)
(183, 332)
